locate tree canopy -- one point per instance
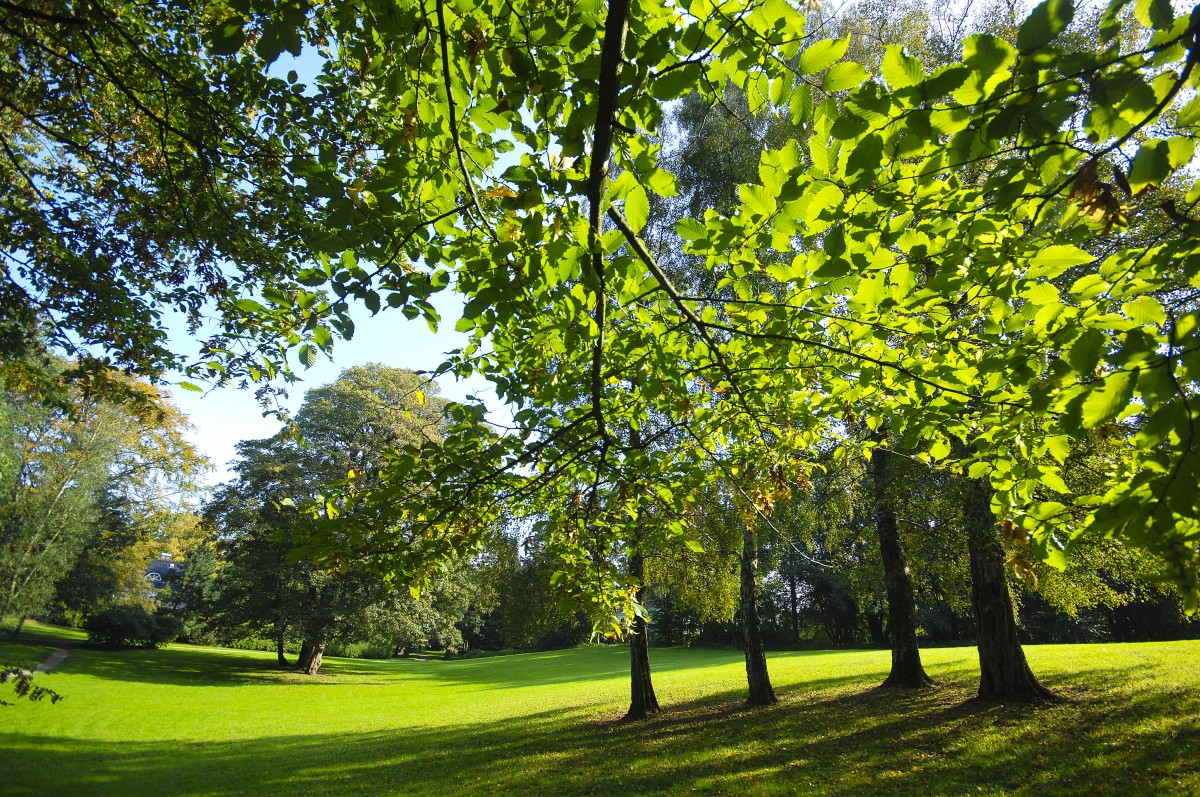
(947, 253)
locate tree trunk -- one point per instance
(761, 693)
(794, 601)
(642, 701)
(20, 625)
(907, 672)
(1003, 672)
(875, 629)
(311, 655)
(279, 650)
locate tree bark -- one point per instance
(16, 632)
(759, 682)
(907, 672)
(642, 701)
(311, 655)
(1003, 672)
(794, 601)
(875, 627)
(279, 650)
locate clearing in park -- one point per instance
(210, 721)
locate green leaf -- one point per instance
(312, 277)
(1156, 14)
(637, 208)
(848, 126)
(822, 55)
(190, 386)
(228, 37)
(1047, 21)
(1145, 310)
(662, 182)
(249, 306)
(691, 229)
(1054, 260)
(1107, 401)
(801, 104)
(694, 545)
(675, 83)
(1059, 447)
(901, 70)
(1041, 294)
(1156, 159)
(1189, 114)
(866, 158)
(843, 76)
(870, 292)
(780, 88)
(1089, 286)
(988, 54)
(1054, 481)
(1084, 354)
(1110, 20)
(757, 199)
(308, 355)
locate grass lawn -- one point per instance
(194, 720)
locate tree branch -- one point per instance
(452, 109)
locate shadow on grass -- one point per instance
(608, 662)
(838, 737)
(187, 665)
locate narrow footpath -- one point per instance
(53, 660)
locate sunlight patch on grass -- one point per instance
(225, 722)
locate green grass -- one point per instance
(193, 720)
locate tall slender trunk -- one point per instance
(279, 649)
(794, 600)
(16, 632)
(875, 627)
(759, 682)
(907, 672)
(1003, 672)
(642, 701)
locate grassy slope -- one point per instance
(191, 720)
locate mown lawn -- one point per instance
(193, 720)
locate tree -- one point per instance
(956, 311)
(111, 566)
(906, 671)
(1004, 672)
(152, 162)
(55, 468)
(82, 477)
(344, 433)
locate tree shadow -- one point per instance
(1124, 730)
(847, 741)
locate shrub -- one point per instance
(131, 627)
(359, 650)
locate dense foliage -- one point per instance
(985, 263)
(88, 491)
(130, 626)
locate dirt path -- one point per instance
(54, 659)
